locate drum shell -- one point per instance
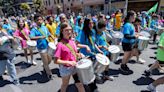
(98, 67)
(152, 32)
(142, 44)
(108, 36)
(32, 47)
(114, 56)
(51, 51)
(116, 41)
(86, 75)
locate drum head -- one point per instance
(144, 33)
(84, 63)
(31, 43)
(143, 38)
(117, 35)
(102, 59)
(52, 45)
(114, 49)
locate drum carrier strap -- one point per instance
(70, 48)
(24, 34)
(43, 34)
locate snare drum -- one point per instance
(142, 42)
(101, 63)
(144, 33)
(117, 38)
(31, 44)
(85, 71)
(51, 48)
(115, 52)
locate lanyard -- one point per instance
(93, 46)
(70, 48)
(24, 34)
(43, 34)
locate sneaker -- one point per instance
(28, 61)
(34, 63)
(141, 61)
(111, 78)
(1, 78)
(124, 68)
(16, 82)
(50, 77)
(151, 88)
(147, 73)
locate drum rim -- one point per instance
(106, 58)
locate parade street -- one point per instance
(32, 80)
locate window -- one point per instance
(68, 0)
(49, 2)
(46, 3)
(58, 1)
(54, 1)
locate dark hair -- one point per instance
(86, 29)
(130, 13)
(79, 19)
(37, 16)
(137, 20)
(18, 25)
(101, 24)
(62, 26)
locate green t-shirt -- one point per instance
(160, 52)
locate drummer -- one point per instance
(160, 57)
(66, 56)
(86, 41)
(41, 34)
(103, 45)
(128, 41)
(154, 24)
(51, 26)
(22, 33)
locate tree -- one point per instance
(25, 6)
(38, 5)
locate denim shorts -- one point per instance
(42, 50)
(66, 71)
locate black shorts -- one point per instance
(160, 62)
(127, 46)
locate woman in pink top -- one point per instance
(65, 56)
(22, 33)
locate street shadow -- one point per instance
(153, 58)
(121, 54)
(153, 48)
(114, 72)
(143, 81)
(56, 71)
(40, 78)
(132, 61)
(145, 91)
(38, 59)
(23, 65)
(73, 88)
(22, 54)
(4, 82)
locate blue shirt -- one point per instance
(143, 22)
(100, 41)
(153, 24)
(58, 30)
(7, 27)
(41, 43)
(82, 39)
(129, 29)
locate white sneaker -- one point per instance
(28, 61)
(34, 63)
(141, 61)
(151, 88)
